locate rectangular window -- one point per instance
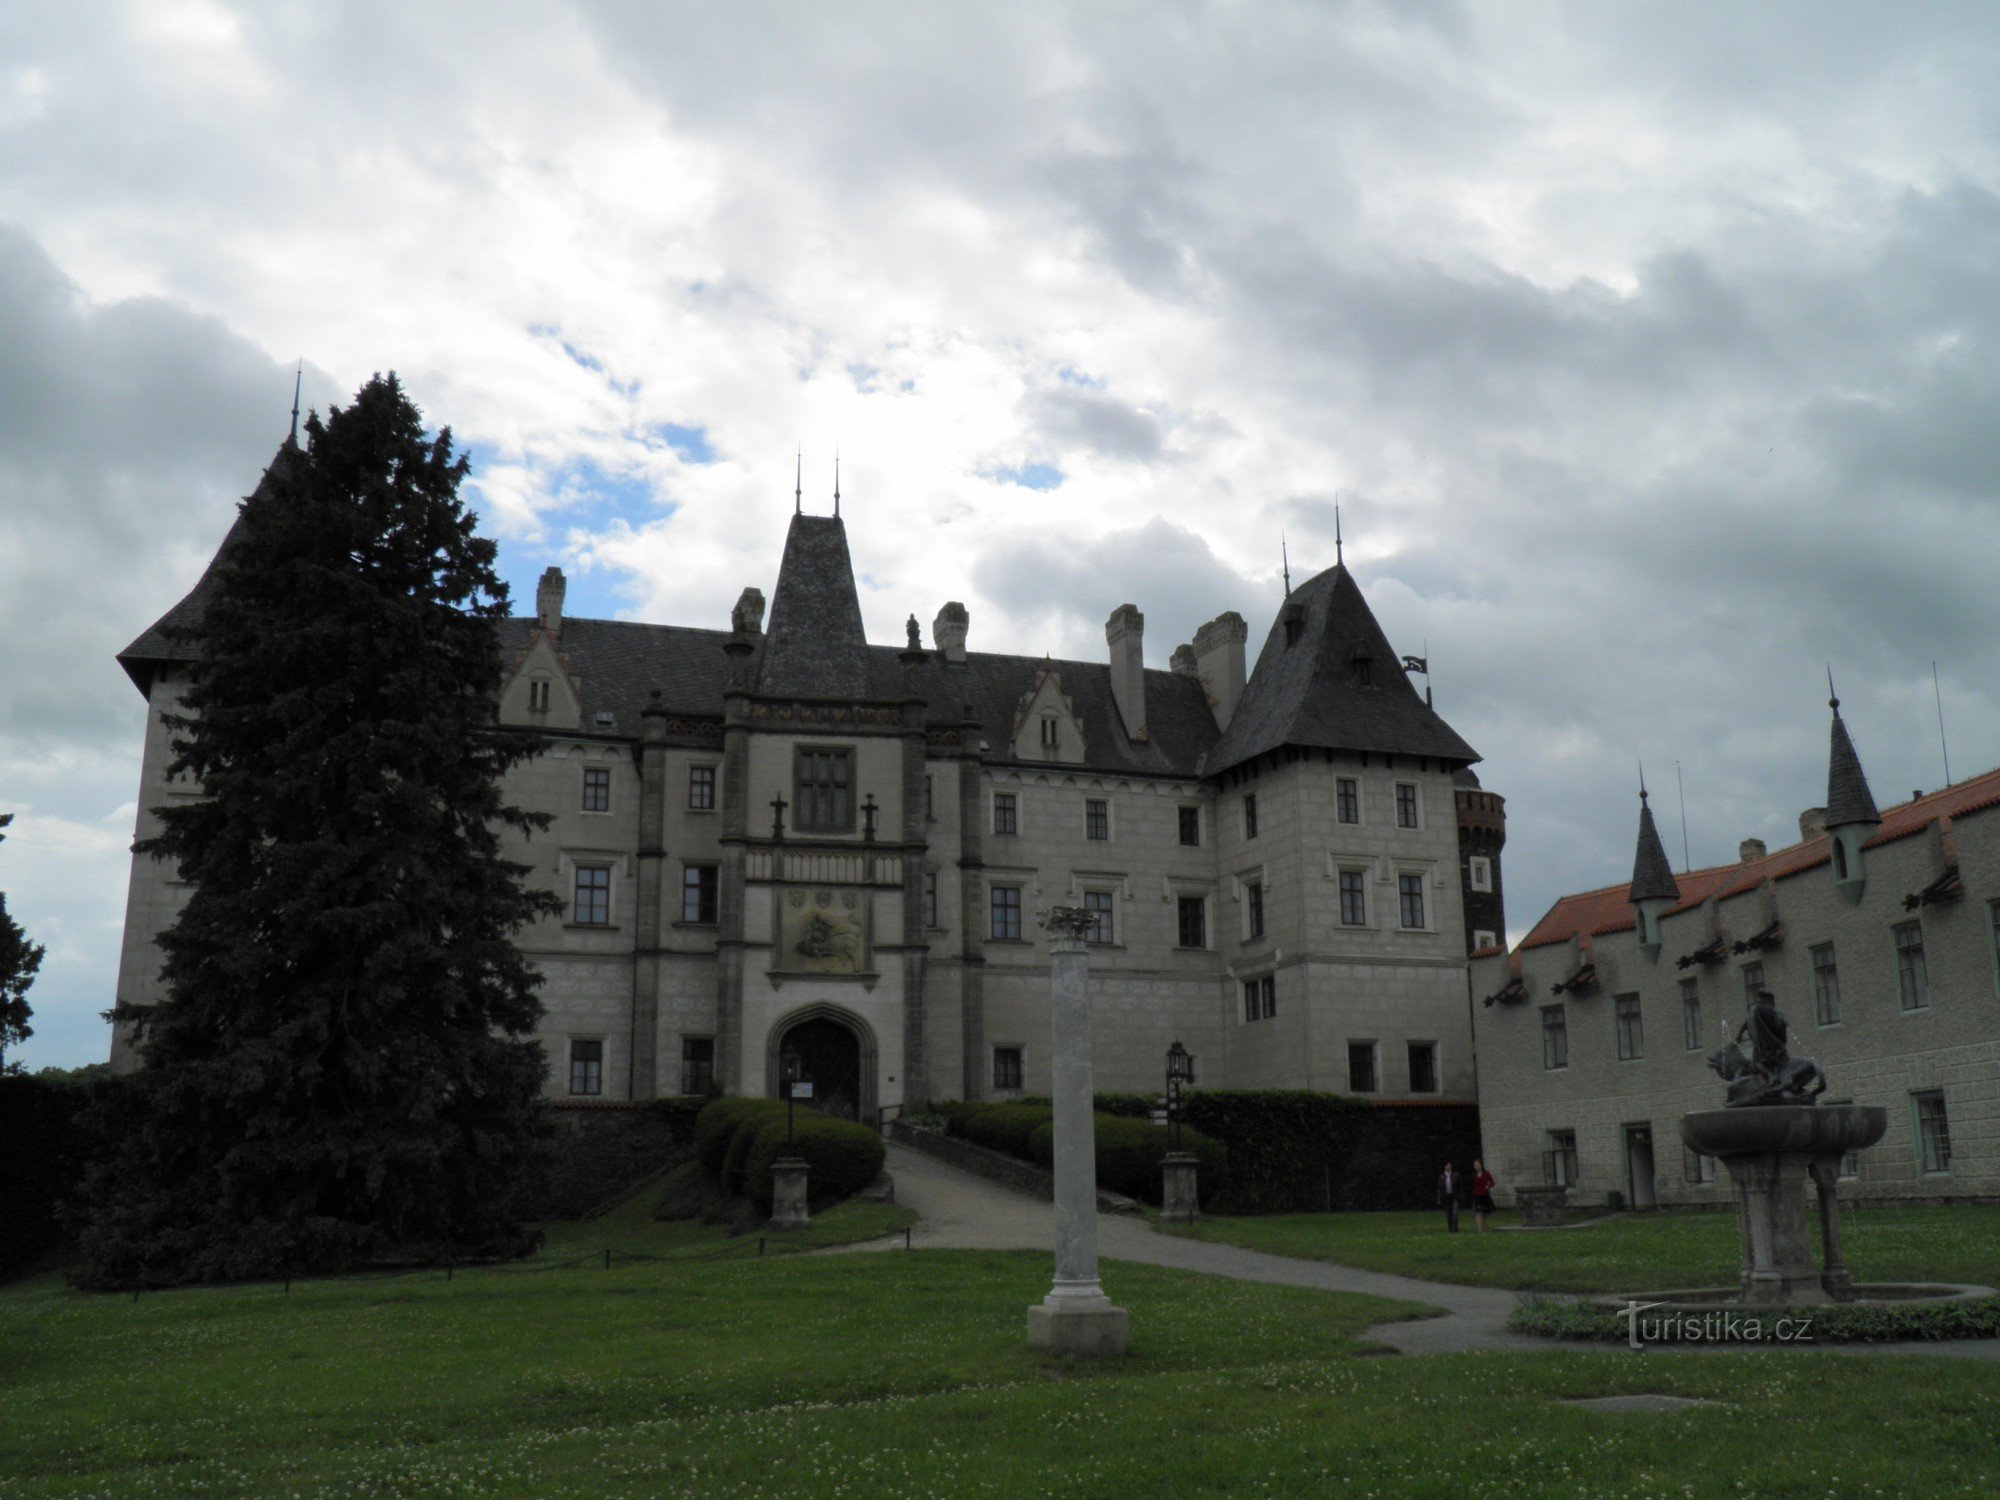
(1697, 1167)
(586, 1067)
(1913, 979)
(1260, 998)
(1423, 1067)
(1631, 1038)
(1250, 815)
(1193, 912)
(1933, 1133)
(1993, 918)
(1051, 735)
(1850, 1162)
(1406, 805)
(1007, 1062)
(698, 887)
(592, 906)
(823, 799)
(1479, 872)
(1098, 905)
(1482, 939)
(1753, 981)
(1411, 889)
(1353, 898)
(1347, 793)
(1253, 900)
(1361, 1068)
(1555, 1037)
(538, 696)
(1826, 985)
(1559, 1159)
(1691, 1015)
(597, 789)
(1007, 913)
(701, 788)
(1096, 819)
(930, 898)
(1190, 827)
(697, 1064)
(930, 803)
(1006, 813)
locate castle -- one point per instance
(777, 836)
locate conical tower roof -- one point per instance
(814, 646)
(1848, 799)
(1652, 875)
(1328, 678)
(166, 641)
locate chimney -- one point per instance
(549, 601)
(1812, 822)
(748, 616)
(1218, 653)
(948, 631)
(1750, 850)
(1184, 664)
(1124, 632)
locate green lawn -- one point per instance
(1624, 1252)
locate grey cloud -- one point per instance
(1080, 418)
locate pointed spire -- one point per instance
(836, 484)
(1652, 876)
(1285, 553)
(1337, 558)
(1848, 799)
(298, 383)
(799, 481)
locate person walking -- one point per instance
(1482, 1193)
(1448, 1194)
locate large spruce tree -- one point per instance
(343, 1067)
(19, 961)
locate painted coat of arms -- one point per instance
(822, 932)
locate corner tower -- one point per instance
(1851, 817)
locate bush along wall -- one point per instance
(593, 1154)
(42, 1133)
(736, 1140)
(1129, 1153)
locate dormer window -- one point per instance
(538, 696)
(1295, 626)
(1364, 669)
(1051, 734)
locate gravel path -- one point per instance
(962, 1212)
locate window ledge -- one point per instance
(699, 812)
(1012, 942)
(591, 927)
(704, 926)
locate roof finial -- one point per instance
(836, 484)
(799, 481)
(1336, 529)
(1287, 556)
(1642, 780)
(298, 381)
(1832, 698)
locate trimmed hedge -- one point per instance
(1836, 1323)
(1129, 1153)
(736, 1140)
(1286, 1146)
(1006, 1127)
(43, 1132)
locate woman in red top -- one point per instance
(1482, 1193)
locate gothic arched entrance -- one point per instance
(836, 1055)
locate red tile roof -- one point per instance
(1610, 909)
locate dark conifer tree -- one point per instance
(19, 961)
(343, 1067)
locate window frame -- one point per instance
(1913, 983)
(1555, 1038)
(1410, 887)
(1198, 904)
(701, 787)
(1919, 1098)
(1347, 800)
(1826, 983)
(1101, 907)
(998, 908)
(596, 780)
(706, 891)
(1009, 804)
(1429, 1051)
(931, 900)
(1253, 910)
(578, 907)
(1018, 1057)
(1260, 998)
(703, 1068)
(1249, 816)
(1190, 814)
(1691, 1037)
(1412, 805)
(846, 762)
(1353, 882)
(1560, 1167)
(1753, 981)
(1097, 820)
(592, 1067)
(1479, 873)
(1356, 1049)
(1697, 1168)
(1628, 1025)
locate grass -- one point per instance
(1625, 1252)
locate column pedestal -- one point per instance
(789, 1175)
(1180, 1201)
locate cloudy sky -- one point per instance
(1653, 352)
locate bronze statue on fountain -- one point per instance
(1770, 1074)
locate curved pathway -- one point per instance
(959, 1211)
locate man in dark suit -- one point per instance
(1450, 1190)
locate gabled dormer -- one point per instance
(539, 692)
(1851, 818)
(1046, 726)
(1654, 890)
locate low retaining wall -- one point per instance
(1008, 1171)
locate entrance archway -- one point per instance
(836, 1054)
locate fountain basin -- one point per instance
(1802, 1129)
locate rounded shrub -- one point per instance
(718, 1123)
(843, 1157)
(1006, 1127)
(1129, 1153)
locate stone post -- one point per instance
(789, 1176)
(1180, 1202)
(1835, 1278)
(1076, 1317)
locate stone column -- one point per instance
(1771, 1192)
(1076, 1317)
(1835, 1278)
(789, 1176)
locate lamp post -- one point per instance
(1180, 1197)
(789, 1173)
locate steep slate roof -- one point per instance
(1848, 799)
(1652, 876)
(814, 645)
(1610, 909)
(158, 644)
(1306, 693)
